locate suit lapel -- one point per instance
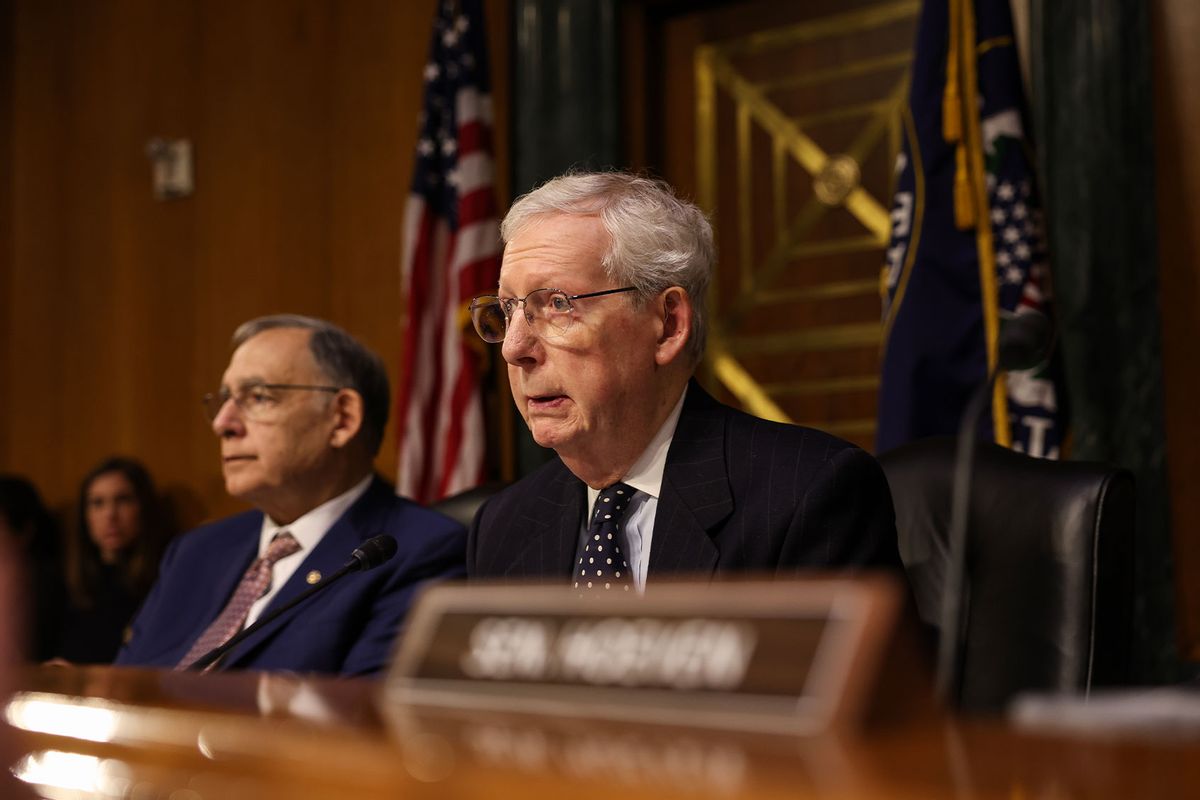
(549, 527)
(330, 554)
(241, 551)
(695, 496)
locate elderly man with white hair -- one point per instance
(600, 314)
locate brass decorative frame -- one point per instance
(836, 184)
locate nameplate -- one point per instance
(797, 656)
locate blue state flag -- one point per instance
(967, 249)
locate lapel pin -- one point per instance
(313, 577)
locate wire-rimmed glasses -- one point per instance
(549, 312)
(256, 400)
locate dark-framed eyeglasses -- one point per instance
(256, 401)
(550, 312)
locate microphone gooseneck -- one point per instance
(1024, 342)
(370, 554)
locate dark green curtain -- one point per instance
(1094, 120)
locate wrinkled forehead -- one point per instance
(561, 251)
(276, 355)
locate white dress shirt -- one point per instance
(308, 531)
(646, 476)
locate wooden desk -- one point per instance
(111, 732)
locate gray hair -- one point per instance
(343, 359)
(657, 240)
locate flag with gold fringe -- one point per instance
(967, 248)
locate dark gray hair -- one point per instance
(657, 240)
(343, 359)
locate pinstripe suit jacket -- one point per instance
(739, 494)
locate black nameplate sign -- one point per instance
(784, 655)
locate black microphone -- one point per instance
(373, 552)
(1024, 342)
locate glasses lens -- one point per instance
(551, 309)
(488, 318)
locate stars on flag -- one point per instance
(1016, 232)
(452, 67)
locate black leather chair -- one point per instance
(461, 507)
(1049, 566)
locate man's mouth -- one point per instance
(231, 459)
(546, 401)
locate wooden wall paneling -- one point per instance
(161, 236)
(374, 129)
(263, 131)
(118, 308)
(7, 66)
(91, 287)
(678, 151)
(33, 385)
(1175, 28)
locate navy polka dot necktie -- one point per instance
(601, 563)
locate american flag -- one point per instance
(451, 252)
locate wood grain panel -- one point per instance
(7, 64)
(1175, 27)
(117, 308)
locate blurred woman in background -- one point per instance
(112, 558)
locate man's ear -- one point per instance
(676, 309)
(348, 419)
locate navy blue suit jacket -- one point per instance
(739, 494)
(347, 629)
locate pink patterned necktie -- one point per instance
(254, 584)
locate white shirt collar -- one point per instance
(310, 528)
(646, 474)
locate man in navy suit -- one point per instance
(300, 416)
(601, 313)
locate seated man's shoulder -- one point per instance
(218, 529)
(549, 482)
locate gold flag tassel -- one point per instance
(964, 194)
(959, 44)
(952, 94)
(971, 164)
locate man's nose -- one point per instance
(520, 342)
(228, 421)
